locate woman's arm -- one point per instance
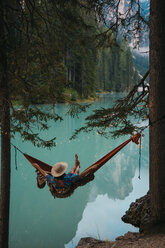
(39, 169)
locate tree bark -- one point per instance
(5, 173)
(157, 110)
(5, 133)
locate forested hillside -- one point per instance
(63, 60)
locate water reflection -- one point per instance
(104, 215)
(37, 220)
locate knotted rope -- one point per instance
(16, 149)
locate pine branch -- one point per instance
(120, 119)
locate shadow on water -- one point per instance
(39, 220)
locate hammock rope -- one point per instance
(140, 152)
(94, 167)
(97, 165)
(16, 149)
(16, 166)
(91, 169)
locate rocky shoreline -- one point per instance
(129, 240)
(138, 215)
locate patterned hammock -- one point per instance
(85, 176)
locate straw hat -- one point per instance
(58, 169)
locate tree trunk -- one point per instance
(5, 133)
(5, 173)
(157, 110)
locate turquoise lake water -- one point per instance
(39, 220)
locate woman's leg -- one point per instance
(76, 167)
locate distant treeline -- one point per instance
(102, 69)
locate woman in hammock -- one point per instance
(63, 185)
(58, 181)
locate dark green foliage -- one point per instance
(35, 69)
(26, 120)
(47, 49)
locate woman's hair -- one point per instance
(61, 177)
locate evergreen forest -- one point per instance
(115, 68)
(64, 58)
